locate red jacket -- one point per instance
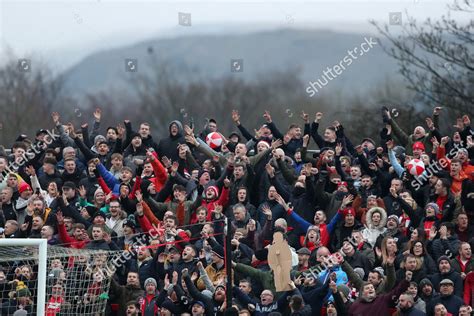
(469, 289)
(69, 241)
(211, 205)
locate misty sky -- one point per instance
(63, 32)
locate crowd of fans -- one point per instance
(366, 235)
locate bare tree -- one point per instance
(26, 99)
(436, 57)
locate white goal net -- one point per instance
(75, 281)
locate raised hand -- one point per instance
(429, 123)
(466, 121)
(82, 191)
(267, 211)
(166, 162)
(218, 209)
(390, 144)
(444, 141)
(276, 143)
(270, 170)
(267, 116)
(188, 130)
(305, 140)
(60, 217)
(227, 183)
(437, 110)
(338, 149)
(305, 117)
(318, 117)
(55, 116)
(72, 130)
(139, 209)
(120, 131)
(459, 124)
(347, 200)
(236, 117)
(31, 170)
(97, 114)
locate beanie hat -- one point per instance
(201, 172)
(130, 224)
(395, 217)
(200, 303)
(134, 134)
(69, 185)
(99, 190)
(213, 188)
(424, 282)
(360, 272)
(342, 183)
(262, 254)
(219, 251)
(207, 293)
(220, 285)
(380, 271)
(418, 145)
(23, 187)
(264, 143)
(434, 206)
(99, 138)
(443, 258)
(344, 289)
(347, 211)
(101, 214)
(150, 280)
(370, 140)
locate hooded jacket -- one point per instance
(371, 232)
(168, 145)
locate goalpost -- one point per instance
(42, 245)
(40, 279)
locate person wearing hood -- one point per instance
(168, 145)
(447, 272)
(447, 243)
(136, 151)
(369, 303)
(375, 219)
(427, 291)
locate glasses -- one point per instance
(418, 246)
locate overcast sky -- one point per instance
(63, 32)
